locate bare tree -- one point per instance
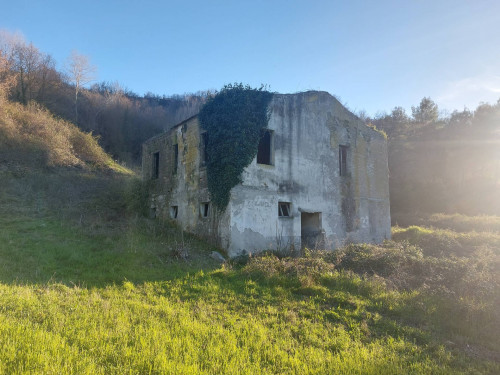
(9, 41)
(27, 63)
(24, 60)
(81, 72)
(35, 72)
(7, 79)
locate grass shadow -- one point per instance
(73, 227)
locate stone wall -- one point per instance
(183, 184)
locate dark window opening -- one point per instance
(152, 212)
(174, 211)
(156, 165)
(284, 209)
(203, 148)
(204, 209)
(264, 153)
(176, 157)
(343, 160)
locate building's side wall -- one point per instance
(308, 129)
(183, 185)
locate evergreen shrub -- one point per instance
(233, 119)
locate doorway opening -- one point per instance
(310, 230)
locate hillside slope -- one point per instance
(89, 286)
(30, 137)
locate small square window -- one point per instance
(174, 210)
(284, 209)
(204, 209)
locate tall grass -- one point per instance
(442, 242)
(88, 286)
(214, 325)
(455, 222)
(32, 138)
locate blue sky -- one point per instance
(373, 55)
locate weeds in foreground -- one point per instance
(106, 294)
(453, 222)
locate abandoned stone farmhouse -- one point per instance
(320, 178)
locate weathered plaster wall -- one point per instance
(184, 185)
(308, 129)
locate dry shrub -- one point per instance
(32, 136)
(445, 243)
(400, 264)
(455, 222)
(432, 242)
(404, 267)
(87, 149)
(271, 266)
(464, 223)
(7, 78)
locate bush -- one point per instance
(402, 265)
(269, 265)
(454, 222)
(31, 136)
(136, 196)
(445, 243)
(86, 147)
(464, 223)
(233, 119)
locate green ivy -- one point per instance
(234, 119)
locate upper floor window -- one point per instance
(265, 151)
(176, 157)
(203, 149)
(204, 209)
(156, 165)
(343, 152)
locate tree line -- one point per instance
(121, 119)
(445, 163)
(437, 163)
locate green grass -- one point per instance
(39, 250)
(86, 287)
(211, 323)
(442, 242)
(454, 222)
(73, 228)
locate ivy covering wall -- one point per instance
(234, 120)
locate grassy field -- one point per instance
(87, 286)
